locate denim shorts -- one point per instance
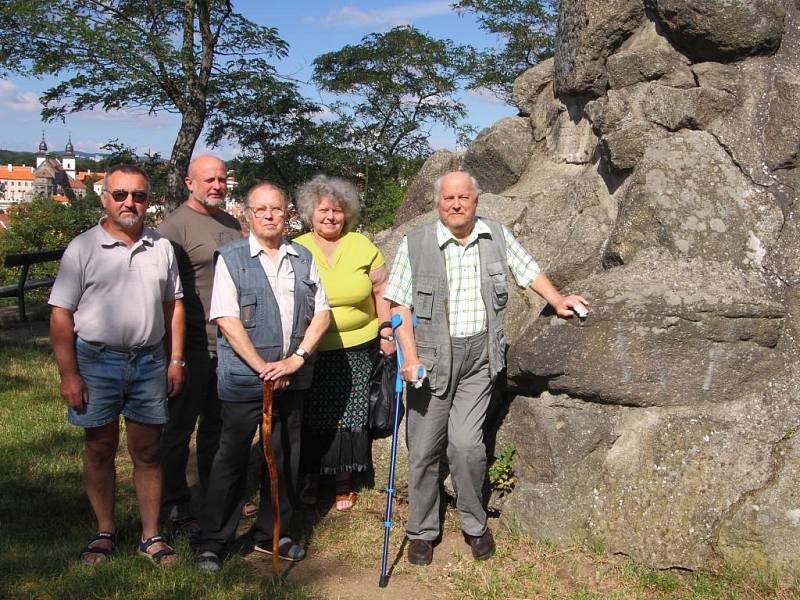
(131, 382)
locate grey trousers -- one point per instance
(453, 421)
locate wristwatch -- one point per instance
(180, 363)
(301, 353)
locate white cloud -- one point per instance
(323, 115)
(402, 14)
(16, 100)
(141, 118)
(89, 145)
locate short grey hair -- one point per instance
(127, 169)
(337, 189)
(266, 185)
(437, 185)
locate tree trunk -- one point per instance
(188, 134)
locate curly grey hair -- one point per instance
(437, 185)
(345, 193)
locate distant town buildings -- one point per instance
(50, 176)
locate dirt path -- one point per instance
(327, 575)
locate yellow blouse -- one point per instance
(348, 287)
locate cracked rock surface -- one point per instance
(654, 168)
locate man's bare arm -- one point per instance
(562, 304)
(62, 338)
(409, 371)
(283, 368)
(174, 339)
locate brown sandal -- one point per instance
(345, 500)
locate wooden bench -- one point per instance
(24, 262)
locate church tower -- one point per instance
(41, 155)
(68, 161)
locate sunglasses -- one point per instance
(122, 195)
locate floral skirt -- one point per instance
(335, 435)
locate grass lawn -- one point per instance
(45, 520)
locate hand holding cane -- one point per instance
(266, 447)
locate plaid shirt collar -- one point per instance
(444, 235)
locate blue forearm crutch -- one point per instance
(397, 320)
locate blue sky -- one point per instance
(311, 27)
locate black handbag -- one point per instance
(382, 397)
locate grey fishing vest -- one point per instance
(259, 313)
(430, 296)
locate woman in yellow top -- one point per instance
(335, 436)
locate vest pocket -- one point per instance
(248, 304)
(423, 303)
(427, 356)
(499, 292)
(497, 272)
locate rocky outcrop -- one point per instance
(720, 29)
(660, 180)
(500, 154)
(419, 197)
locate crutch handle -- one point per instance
(397, 320)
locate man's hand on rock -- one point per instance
(564, 306)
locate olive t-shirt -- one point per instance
(195, 237)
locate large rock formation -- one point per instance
(654, 167)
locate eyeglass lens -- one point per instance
(122, 195)
(262, 212)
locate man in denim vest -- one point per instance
(452, 274)
(271, 312)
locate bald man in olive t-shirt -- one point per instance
(196, 229)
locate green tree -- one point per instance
(156, 168)
(148, 55)
(402, 83)
(44, 224)
(527, 30)
(281, 136)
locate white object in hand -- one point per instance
(417, 383)
(580, 310)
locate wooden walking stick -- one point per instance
(266, 447)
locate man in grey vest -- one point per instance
(271, 311)
(452, 274)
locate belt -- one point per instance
(478, 338)
(123, 350)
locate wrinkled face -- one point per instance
(265, 213)
(207, 181)
(327, 220)
(127, 211)
(457, 203)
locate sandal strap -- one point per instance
(144, 545)
(90, 548)
(158, 556)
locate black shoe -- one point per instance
(420, 552)
(482, 546)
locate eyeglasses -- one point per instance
(261, 212)
(122, 195)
